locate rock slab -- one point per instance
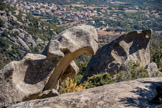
(132, 94)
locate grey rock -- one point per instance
(24, 39)
(19, 79)
(2, 12)
(48, 93)
(36, 73)
(126, 94)
(23, 44)
(15, 30)
(12, 17)
(152, 69)
(39, 41)
(44, 94)
(115, 56)
(30, 41)
(16, 12)
(20, 23)
(4, 18)
(22, 35)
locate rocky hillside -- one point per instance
(21, 33)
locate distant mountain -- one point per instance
(21, 33)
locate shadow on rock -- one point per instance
(143, 96)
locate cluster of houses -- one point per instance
(79, 14)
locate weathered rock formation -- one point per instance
(132, 94)
(36, 73)
(115, 56)
(152, 69)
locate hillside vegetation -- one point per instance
(21, 33)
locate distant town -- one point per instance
(109, 20)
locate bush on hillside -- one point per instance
(99, 80)
(3, 43)
(4, 34)
(1, 23)
(2, 5)
(137, 71)
(1, 64)
(82, 67)
(156, 51)
(70, 85)
(134, 71)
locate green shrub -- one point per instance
(78, 78)
(14, 23)
(99, 80)
(123, 76)
(137, 71)
(2, 23)
(1, 64)
(19, 17)
(3, 43)
(10, 27)
(15, 34)
(15, 51)
(2, 5)
(134, 72)
(82, 67)
(156, 51)
(72, 85)
(4, 34)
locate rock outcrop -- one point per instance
(19, 36)
(152, 69)
(36, 73)
(21, 33)
(132, 94)
(115, 56)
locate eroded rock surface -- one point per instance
(69, 45)
(115, 56)
(127, 94)
(152, 69)
(36, 73)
